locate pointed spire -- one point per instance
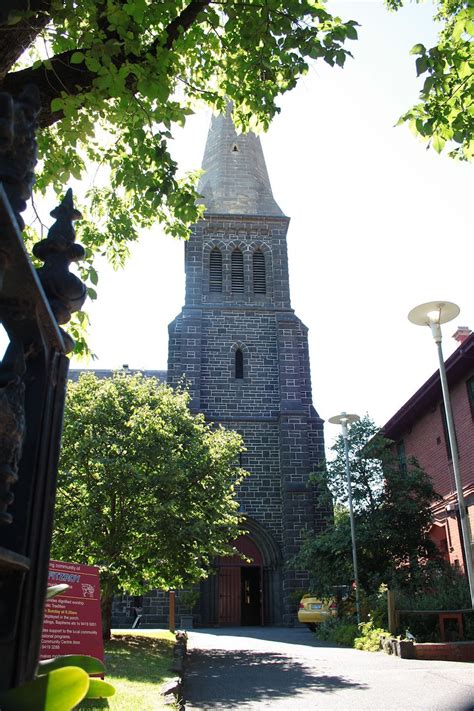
(236, 180)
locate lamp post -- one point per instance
(433, 314)
(344, 419)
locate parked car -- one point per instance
(313, 611)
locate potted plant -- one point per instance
(188, 599)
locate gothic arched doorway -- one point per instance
(234, 578)
(240, 586)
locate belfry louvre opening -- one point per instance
(259, 279)
(237, 272)
(215, 271)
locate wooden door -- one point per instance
(229, 595)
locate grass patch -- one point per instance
(137, 664)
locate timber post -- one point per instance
(391, 612)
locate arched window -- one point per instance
(215, 271)
(239, 364)
(259, 280)
(237, 272)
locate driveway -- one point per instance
(288, 669)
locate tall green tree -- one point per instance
(146, 490)
(391, 501)
(116, 76)
(444, 117)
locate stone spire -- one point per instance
(236, 180)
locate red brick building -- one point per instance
(419, 430)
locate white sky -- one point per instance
(378, 225)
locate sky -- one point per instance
(378, 225)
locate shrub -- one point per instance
(324, 630)
(368, 638)
(345, 633)
(444, 588)
(338, 631)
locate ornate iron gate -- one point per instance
(33, 375)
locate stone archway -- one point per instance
(272, 564)
(245, 593)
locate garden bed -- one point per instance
(441, 651)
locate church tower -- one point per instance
(244, 354)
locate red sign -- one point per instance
(72, 621)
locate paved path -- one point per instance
(288, 670)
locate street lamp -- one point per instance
(433, 314)
(344, 419)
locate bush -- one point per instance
(345, 633)
(444, 589)
(324, 630)
(338, 631)
(368, 638)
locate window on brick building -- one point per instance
(237, 272)
(215, 271)
(470, 394)
(239, 364)
(259, 280)
(446, 435)
(402, 457)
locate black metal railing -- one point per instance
(33, 375)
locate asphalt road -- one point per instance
(288, 669)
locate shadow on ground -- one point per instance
(226, 679)
(288, 635)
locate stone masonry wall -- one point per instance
(271, 406)
(247, 234)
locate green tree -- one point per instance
(146, 490)
(445, 114)
(391, 500)
(115, 77)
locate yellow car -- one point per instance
(313, 611)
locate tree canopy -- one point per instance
(116, 76)
(391, 501)
(146, 490)
(445, 114)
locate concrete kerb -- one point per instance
(172, 691)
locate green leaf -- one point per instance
(94, 277)
(91, 665)
(421, 65)
(459, 28)
(340, 58)
(99, 689)
(438, 143)
(77, 57)
(351, 32)
(418, 49)
(60, 690)
(57, 105)
(428, 85)
(93, 64)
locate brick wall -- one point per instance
(426, 440)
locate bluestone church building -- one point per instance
(244, 355)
